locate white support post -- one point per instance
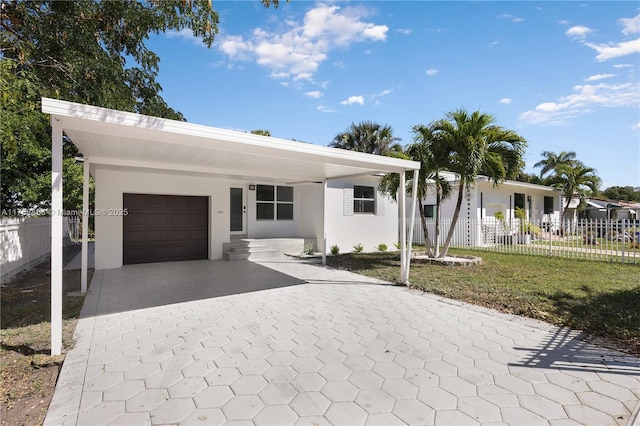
(403, 226)
(414, 196)
(324, 222)
(85, 227)
(56, 236)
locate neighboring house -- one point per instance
(605, 209)
(481, 202)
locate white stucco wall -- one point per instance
(272, 228)
(366, 229)
(311, 213)
(111, 183)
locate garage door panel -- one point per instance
(161, 228)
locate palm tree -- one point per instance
(552, 161)
(368, 137)
(573, 180)
(478, 147)
(428, 149)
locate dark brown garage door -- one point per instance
(163, 228)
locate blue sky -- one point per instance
(562, 74)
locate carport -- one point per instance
(135, 142)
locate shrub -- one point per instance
(335, 249)
(398, 245)
(308, 249)
(382, 247)
(358, 248)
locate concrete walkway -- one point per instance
(284, 342)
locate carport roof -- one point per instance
(124, 139)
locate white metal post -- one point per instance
(414, 196)
(403, 226)
(324, 222)
(85, 227)
(56, 236)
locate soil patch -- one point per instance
(28, 373)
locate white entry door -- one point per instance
(238, 210)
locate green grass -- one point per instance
(602, 299)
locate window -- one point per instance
(274, 202)
(518, 201)
(548, 205)
(364, 199)
(430, 211)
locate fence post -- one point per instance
(624, 235)
(550, 238)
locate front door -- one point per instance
(237, 210)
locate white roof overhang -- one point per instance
(124, 139)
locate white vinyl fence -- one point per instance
(613, 241)
(26, 242)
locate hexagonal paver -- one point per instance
(522, 416)
(146, 400)
(257, 352)
(413, 411)
(305, 351)
(275, 415)
(131, 419)
(306, 382)
(389, 370)
(203, 416)
(242, 407)
(498, 396)
(602, 403)
(339, 391)
(307, 365)
(213, 397)
(455, 417)
(123, 390)
(277, 393)
(437, 398)
(479, 409)
(187, 388)
(358, 363)
(279, 374)
(106, 412)
(248, 385)
(310, 404)
(207, 354)
(253, 366)
(163, 379)
(386, 419)
(122, 364)
(231, 359)
(341, 413)
(172, 411)
(335, 372)
(421, 378)
(366, 380)
(222, 376)
(281, 358)
(103, 381)
(400, 388)
(375, 401)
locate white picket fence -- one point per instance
(613, 241)
(26, 242)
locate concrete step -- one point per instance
(231, 256)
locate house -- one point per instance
(541, 204)
(605, 209)
(169, 191)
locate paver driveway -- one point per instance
(280, 342)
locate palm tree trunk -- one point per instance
(454, 221)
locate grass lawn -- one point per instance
(602, 299)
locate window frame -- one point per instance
(359, 203)
(546, 209)
(433, 213)
(274, 202)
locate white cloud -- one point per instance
(301, 49)
(506, 101)
(383, 93)
(599, 77)
(563, 22)
(324, 108)
(585, 99)
(622, 66)
(368, 52)
(316, 94)
(185, 34)
(630, 25)
(339, 64)
(578, 31)
(279, 75)
(351, 100)
(493, 43)
(610, 51)
(431, 72)
(512, 18)
(405, 31)
(636, 126)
